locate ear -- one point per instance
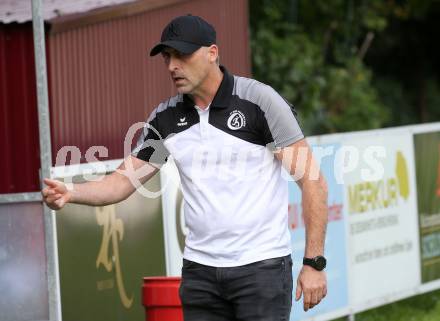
(212, 53)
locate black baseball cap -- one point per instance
(186, 34)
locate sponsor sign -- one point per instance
(380, 204)
(104, 252)
(427, 158)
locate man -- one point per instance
(223, 132)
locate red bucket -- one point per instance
(160, 296)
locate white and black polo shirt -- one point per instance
(235, 192)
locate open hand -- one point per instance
(56, 194)
(313, 285)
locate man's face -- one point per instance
(188, 71)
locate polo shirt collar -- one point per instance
(223, 95)
(224, 92)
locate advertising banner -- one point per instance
(104, 252)
(335, 252)
(427, 154)
(380, 204)
(23, 281)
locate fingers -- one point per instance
(56, 203)
(298, 291)
(50, 192)
(58, 186)
(307, 299)
(54, 195)
(313, 285)
(313, 297)
(50, 182)
(47, 191)
(316, 297)
(53, 198)
(54, 190)
(60, 202)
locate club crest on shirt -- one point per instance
(236, 120)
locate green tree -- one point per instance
(405, 63)
(317, 54)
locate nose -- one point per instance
(172, 63)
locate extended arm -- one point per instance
(111, 189)
(298, 160)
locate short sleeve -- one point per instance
(150, 145)
(282, 127)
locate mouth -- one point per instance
(177, 79)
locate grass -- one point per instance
(424, 307)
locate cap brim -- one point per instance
(181, 46)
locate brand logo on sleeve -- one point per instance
(236, 120)
(182, 122)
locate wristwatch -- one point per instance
(318, 262)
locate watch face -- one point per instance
(321, 262)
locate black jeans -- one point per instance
(260, 291)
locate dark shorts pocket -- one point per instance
(278, 262)
(191, 265)
(187, 264)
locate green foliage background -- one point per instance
(350, 65)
